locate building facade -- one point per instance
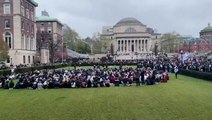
(48, 30)
(18, 30)
(131, 39)
(199, 45)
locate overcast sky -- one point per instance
(186, 17)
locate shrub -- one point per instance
(5, 72)
(197, 74)
(29, 69)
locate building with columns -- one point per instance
(131, 39)
(18, 30)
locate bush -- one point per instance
(5, 72)
(197, 74)
(29, 69)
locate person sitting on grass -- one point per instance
(165, 77)
(11, 84)
(40, 85)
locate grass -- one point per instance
(182, 99)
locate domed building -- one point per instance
(131, 39)
(199, 45)
(206, 33)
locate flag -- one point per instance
(185, 56)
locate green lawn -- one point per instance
(183, 99)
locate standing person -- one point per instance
(137, 76)
(176, 70)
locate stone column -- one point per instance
(130, 45)
(127, 46)
(124, 46)
(137, 46)
(134, 46)
(140, 45)
(116, 45)
(120, 45)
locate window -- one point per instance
(22, 42)
(7, 8)
(8, 39)
(31, 44)
(8, 60)
(27, 13)
(28, 27)
(32, 28)
(29, 61)
(22, 25)
(33, 59)
(22, 11)
(7, 24)
(42, 30)
(32, 16)
(26, 42)
(24, 59)
(49, 29)
(6, 0)
(130, 30)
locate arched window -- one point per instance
(130, 30)
(8, 39)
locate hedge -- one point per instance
(29, 69)
(5, 72)
(196, 74)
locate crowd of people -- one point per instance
(197, 64)
(86, 78)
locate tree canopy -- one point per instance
(4, 50)
(74, 42)
(171, 42)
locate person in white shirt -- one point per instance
(40, 85)
(176, 70)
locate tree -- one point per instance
(42, 39)
(82, 47)
(171, 42)
(74, 42)
(45, 40)
(101, 45)
(54, 46)
(70, 37)
(4, 50)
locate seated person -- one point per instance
(83, 84)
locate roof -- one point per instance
(33, 2)
(47, 19)
(207, 29)
(128, 21)
(74, 54)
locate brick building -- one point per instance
(202, 44)
(48, 30)
(17, 28)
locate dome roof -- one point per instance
(128, 21)
(207, 29)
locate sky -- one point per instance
(186, 17)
